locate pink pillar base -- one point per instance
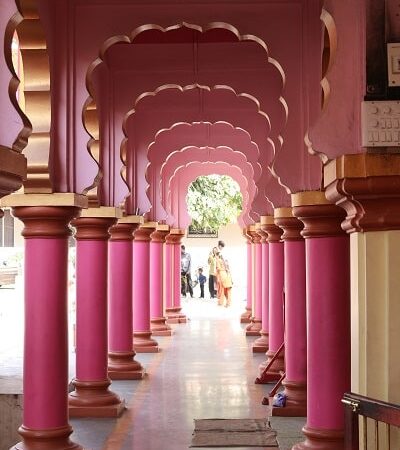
(246, 316)
(321, 440)
(174, 315)
(94, 399)
(254, 328)
(52, 439)
(296, 401)
(261, 344)
(142, 342)
(159, 327)
(122, 366)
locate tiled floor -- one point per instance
(205, 370)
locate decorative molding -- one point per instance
(320, 218)
(34, 138)
(291, 227)
(367, 187)
(46, 222)
(123, 231)
(93, 228)
(13, 170)
(56, 199)
(143, 233)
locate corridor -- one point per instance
(205, 370)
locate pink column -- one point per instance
(173, 310)
(295, 383)
(328, 324)
(91, 397)
(121, 357)
(261, 344)
(45, 416)
(254, 328)
(142, 341)
(159, 327)
(245, 317)
(276, 299)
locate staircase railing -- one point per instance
(377, 432)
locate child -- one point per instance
(202, 281)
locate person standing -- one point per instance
(186, 263)
(202, 281)
(212, 273)
(225, 281)
(221, 245)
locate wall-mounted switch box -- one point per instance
(380, 123)
(393, 51)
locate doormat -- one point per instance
(233, 433)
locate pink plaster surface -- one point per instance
(46, 334)
(249, 277)
(141, 286)
(120, 296)
(91, 310)
(295, 311)
(169, 283)
(200, 135)
(328, 347)
(276, 284)
(265, 285)
(258, 270)
(346, 78)
(156, 280)
(215, 105)
(177, 276)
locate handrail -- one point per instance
(265, 377)
(274, 390)
(377, 410)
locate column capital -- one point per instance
(263, 234)
(253, 234)
(291, 226)
(93, 228)
(367, 187)
(123, 231)
(175, 236)
(160, 234)
(46, 222)
(273, 231)
(142, 234)
(320, 217)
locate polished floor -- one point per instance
(205, 370)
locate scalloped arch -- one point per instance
(208, 168)
(330, 27)
(34, 138)
(129, 39)
(182, 89)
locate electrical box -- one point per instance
(380, 124)
(393, 56)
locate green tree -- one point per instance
(213, 201)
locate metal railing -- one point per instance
(369, 423)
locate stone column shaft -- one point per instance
(92, 397)
(261, 344)
(121, 356)
(295, 382)
(142, 341)
(173, 272)
(45, 416)
(328, 320)
(159, 327)
(276, 298)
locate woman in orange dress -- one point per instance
(225, 281)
